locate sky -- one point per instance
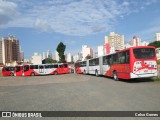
(40, 25)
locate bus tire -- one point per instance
(115, 76)
(96, 73)
(55, 73)
(32, 74)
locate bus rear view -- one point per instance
(144, 62)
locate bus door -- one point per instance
(41, 69)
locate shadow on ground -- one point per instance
(137, 80)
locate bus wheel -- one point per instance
(32, 74)
(11, 74)
(96, 73)
(115, 76)
(55, 73)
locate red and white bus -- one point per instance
(8, 71)
(134, 62)
(81, 67)
(45, 69)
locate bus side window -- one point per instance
(51, 66)
(127, 57)
(65, 65)
(96, 61)
(3, 69)
(6, 69)
(41, 67)
(47, 66)
(56, 66)
(18, 69)
(31, 66)
(121, 57)
(60, 66)
(12, 68)
(26, 68)
(35, 66)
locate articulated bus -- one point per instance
(8, 71)
(44, 69)
(134, 62)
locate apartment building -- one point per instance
(115, 40)
(36, 58)
(9, 51)
(86, 51)
(135, 41)
(157, 37)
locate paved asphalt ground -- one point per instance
(74, 92)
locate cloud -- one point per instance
(71, 17)
(7, 11)
(42, 25)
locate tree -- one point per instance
(48, 60)
(60, 49)
(155, 44)
(88, 57)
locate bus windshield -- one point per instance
(144, 53)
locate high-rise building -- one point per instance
(100, 50)
(157, 38)
(135, 41)
(115, 40)
(44, 56)
(77, 57)
(21, 56)
(36, 59)
(107, 48)
(69, 57)
(49, 54)
(86, 51)
(1, 57)
(56, 56)
(10, 51)
(95, 54)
